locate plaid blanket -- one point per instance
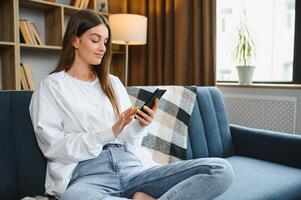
(166, 140)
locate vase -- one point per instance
(245, 74)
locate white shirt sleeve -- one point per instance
(55, 144)
(133, 133)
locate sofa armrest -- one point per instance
(267, 145)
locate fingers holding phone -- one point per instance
(146, 116)
(155, 106)
(146, 113)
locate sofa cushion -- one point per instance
(8, 170)
(209, 125)
(260, 180)
(167, 136)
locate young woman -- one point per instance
(83, 120)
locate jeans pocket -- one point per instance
(95, 165)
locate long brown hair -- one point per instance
(78, 24)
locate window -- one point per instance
(272, 27)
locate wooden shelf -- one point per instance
(45, 5)
(45, 47)
(8, 60)
(7, 19)
(4, 43)
(70, 10)
(50, 19)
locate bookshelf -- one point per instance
(50, 20)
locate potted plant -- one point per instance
(102, 6)
(244, 52)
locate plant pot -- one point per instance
(245, 74)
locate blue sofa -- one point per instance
(267, 164)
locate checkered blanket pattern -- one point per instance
(166, 139)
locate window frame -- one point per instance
(297, 49)
(297, 45)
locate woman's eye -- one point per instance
(94, 39)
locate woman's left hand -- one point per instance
(146, 118)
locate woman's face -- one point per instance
(91, 46)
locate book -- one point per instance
(22, 39)
(28, 24)
(75, 3)
(29, 31)
(94, 4)
(29, 76)
(25, 31)
(72, 3)
(86, 4)
(36, 34)
(82, 4)
(24, 83)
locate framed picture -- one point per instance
(102, 6)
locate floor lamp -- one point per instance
(128, 29)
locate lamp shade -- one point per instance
(128, 29)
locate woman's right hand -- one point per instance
(123, 119)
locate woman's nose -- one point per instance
(102, 47)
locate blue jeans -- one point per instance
(117, 174)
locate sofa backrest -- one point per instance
(209, 132)
(22, 165)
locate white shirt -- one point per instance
(73, 120)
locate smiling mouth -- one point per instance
(99, 55)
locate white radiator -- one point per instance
(276, 113)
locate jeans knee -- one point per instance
(72, 193)
(77, 192)
(218, 167)
(67, 195)
(224, 171)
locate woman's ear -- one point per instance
(75, 42)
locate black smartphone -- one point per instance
(158, 93)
